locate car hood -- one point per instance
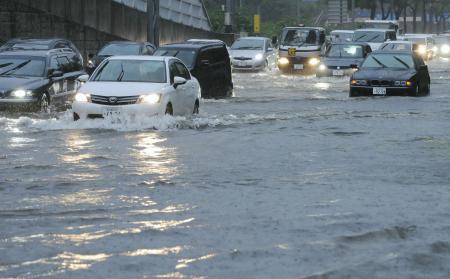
(384, 74)
(121, 89)
(245, 53)
(375, 46)
(29, 83)
(342, 62)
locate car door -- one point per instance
(270, 53)
(71, 71)
(178, 96)
(189, 95)
(56, 82)
(204, 73)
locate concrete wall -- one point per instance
(88, 23)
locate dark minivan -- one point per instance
(33, 80)
(209, 63)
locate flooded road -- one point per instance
(289, 179)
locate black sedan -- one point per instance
(339, 58)
(34, 80)
(118, 48)
(391, 74)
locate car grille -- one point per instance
(242, 58)
(114, 101)
(381, 83)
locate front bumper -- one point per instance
(19, 104)
(90, 110)
(367, 91)
(335, 72)
(247, 65)
(298, 65)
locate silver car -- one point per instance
(252, 54)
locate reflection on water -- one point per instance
(155, 252)
(184, 263)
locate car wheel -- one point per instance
(44, 103)
(197, 107)
(169, 109)
(76, 117)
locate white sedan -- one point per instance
(137, 85)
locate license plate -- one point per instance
(380, 91)
(111, 112)
(298, 66)
(338, 73)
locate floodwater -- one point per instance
(289, 179)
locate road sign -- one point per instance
(257, 24)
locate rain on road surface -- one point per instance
(289, 179)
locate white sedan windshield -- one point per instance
(132, 71)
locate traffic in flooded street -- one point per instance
(290, 178)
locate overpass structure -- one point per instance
(92, 23)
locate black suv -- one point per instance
(32, 80)
(39, 44)
(118, 48)
(209, 63)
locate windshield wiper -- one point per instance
(359, 38)
(122, 73)
(5, 65)
(21, 65)
(379, 62)
(401, 61)
(371, 40)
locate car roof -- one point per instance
(36, 41)
(399, 42)
(198, 44)
(374, 30)
(305, 27)
(352, 43)
(125, 43)
(36, 53)
(343, 31)
(140, 57)
(253, 38)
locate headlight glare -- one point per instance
(283, 61)
(259, 56)
(83, 98)
(359, 82)
(22, 93)
(422, 49)
(149, 99)
(322, 67)
(314, 61)
(445, 49)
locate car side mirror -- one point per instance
(56, 74)
(177, 81)
(83, 78)
(354, 66)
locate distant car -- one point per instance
(138, 86)
(117, 48)
(252, 54)
(340, 57)
(33, 80)
(341, 36)
(405, 46)
(208, 61)
(374, 37)
(300, 49)
(425, 44)
(442, 44)
(391, 74)
(40, 44)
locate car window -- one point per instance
(187, 56)
(120, 49)
(173, 72)
(77, 64)
(182, 71)
(349, 51)
(61, 45)
(64, 63)
(132, 71)
(206, 55)
(369, 36)
(22, 66)
(248, 44)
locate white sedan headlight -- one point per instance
(83, 97)
(149, 99)
(322, 67)
(445, 49)
(422, 49)
(21, 93)
(259, 57)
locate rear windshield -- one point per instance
(132, 71)
(120, 49)
(397, 46)
(187, 56)
(341, 37)
(248, 44)
(416, 40)
(395, 61)
(349, 51)
(22, 66)
(369, 36)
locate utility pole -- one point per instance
(153, 22)
(228, 23)
(392, 10)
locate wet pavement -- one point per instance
(288, 179)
